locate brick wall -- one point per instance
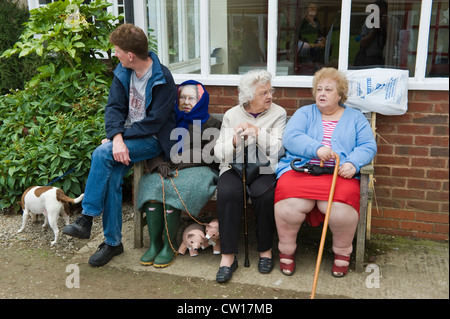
(411, 166)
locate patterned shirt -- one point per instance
(328, 128)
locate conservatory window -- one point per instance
(437, 62)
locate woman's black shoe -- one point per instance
(225, 273)
(265, 265)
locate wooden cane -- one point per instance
(246, 262)
(325, 227)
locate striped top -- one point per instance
(328, 128)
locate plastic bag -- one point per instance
(380, 90)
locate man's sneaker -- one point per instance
(80, 228)
(104, 254)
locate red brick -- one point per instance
(286, 103)
(424, 107)
(432, 217)
(386, 223)
(442, 108)
(388, 180)
(428, 162)
(431, 140)
(385, 149)
(408, 193)
(408, 172)
(392, 160)
(440, 130)
(416, 226)
(412, 150)
(399, 139)
(437, 196)
(424, 184)
(430, 118)
(399, 214)
(438, 95)
(442, 229)
(414, 129)
(214, 90)
(432, 236)
(423, 205)
(438, 174)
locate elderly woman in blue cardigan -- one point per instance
(317, 133)
(191, 170)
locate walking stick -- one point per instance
(325, 227)
(247, 262)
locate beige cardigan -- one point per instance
(271, 123)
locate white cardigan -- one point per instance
(271, 123)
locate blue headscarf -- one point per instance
(198, 112)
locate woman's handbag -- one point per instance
(256, 163)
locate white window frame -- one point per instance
(418, 82)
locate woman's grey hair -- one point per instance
(248, 84)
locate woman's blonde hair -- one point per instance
(335, 75)
(249, 81)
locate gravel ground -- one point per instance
(39, 238)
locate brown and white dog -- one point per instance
(47, 200)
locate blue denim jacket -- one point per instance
(160, 99)
(352, 138)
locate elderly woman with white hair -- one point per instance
(262, 123)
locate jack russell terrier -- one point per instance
(47, 200)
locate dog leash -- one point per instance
(182, 202)
(58, 178)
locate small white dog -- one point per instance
(47, 200)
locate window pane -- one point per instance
(238, 35)
(308, 36)
(175, 26)
(384, 34)
(437, 63)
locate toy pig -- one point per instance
(193, 239)
(212, 234)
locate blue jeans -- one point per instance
(103, 193)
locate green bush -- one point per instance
(54, 124)
(49, 129)
(14, 72)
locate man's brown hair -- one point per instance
(130, 39)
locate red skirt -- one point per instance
(304, 185)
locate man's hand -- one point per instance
(120, 150)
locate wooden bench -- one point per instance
(366, 187)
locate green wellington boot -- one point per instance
(155, 222)
(167, 253)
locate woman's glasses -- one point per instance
(189, 99)
(266, 93)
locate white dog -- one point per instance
(47, 200)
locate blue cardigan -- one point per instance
(352, 138)
(160, 98)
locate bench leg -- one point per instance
(362, 224)
(138, 216)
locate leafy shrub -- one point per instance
(49, 129)
(54, 124)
